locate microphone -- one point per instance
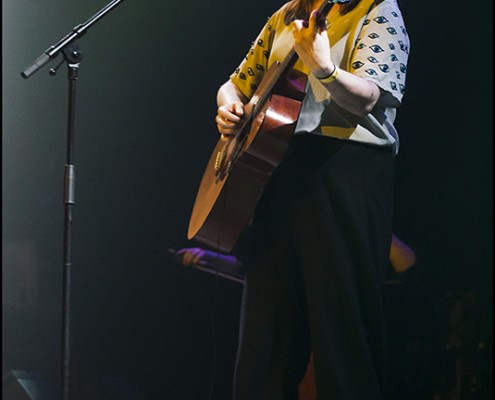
(35, 65)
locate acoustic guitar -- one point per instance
(239, 169)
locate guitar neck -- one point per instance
(281, 68)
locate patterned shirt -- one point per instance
(370, 41)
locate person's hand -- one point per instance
(229, 118)
(191, 256)
(198, 256)
(312, 45)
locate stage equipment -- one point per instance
(72, 55)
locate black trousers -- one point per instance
(320, 244)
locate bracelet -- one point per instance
(332, 77)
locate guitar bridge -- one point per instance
(219, 160)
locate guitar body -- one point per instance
(239, 169)
(224, 207)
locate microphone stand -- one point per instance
(72, 55)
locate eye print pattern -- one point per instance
(382, 51)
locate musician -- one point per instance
(321, 231)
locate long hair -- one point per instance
(300, 9)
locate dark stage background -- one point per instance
(144, 131)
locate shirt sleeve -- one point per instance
(382, 51)
(249, 73)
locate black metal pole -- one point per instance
(72, 55)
